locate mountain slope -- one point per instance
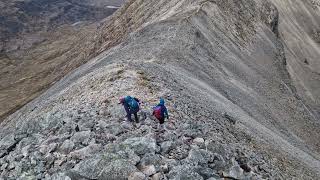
(22, 22)
(236, 111)
(37, 44)
(299, 27)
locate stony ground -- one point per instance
(220, 65)
(83, 134)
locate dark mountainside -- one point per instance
(20, 18)
(241, 79)
(37, 39)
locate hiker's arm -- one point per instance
(166, 112)
(137, 100)
(126, 107)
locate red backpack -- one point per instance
(157, 112)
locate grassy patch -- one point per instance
(117, 75)
(145, 81)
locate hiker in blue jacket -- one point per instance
(160, 112)
(131, 105)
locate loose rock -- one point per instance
(137, 176)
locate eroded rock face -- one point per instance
(270, 16)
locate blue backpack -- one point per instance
(133, 104)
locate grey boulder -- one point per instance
(141, 145)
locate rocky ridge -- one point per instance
(92, 141)
(221, 66)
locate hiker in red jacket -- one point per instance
(160, 112)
